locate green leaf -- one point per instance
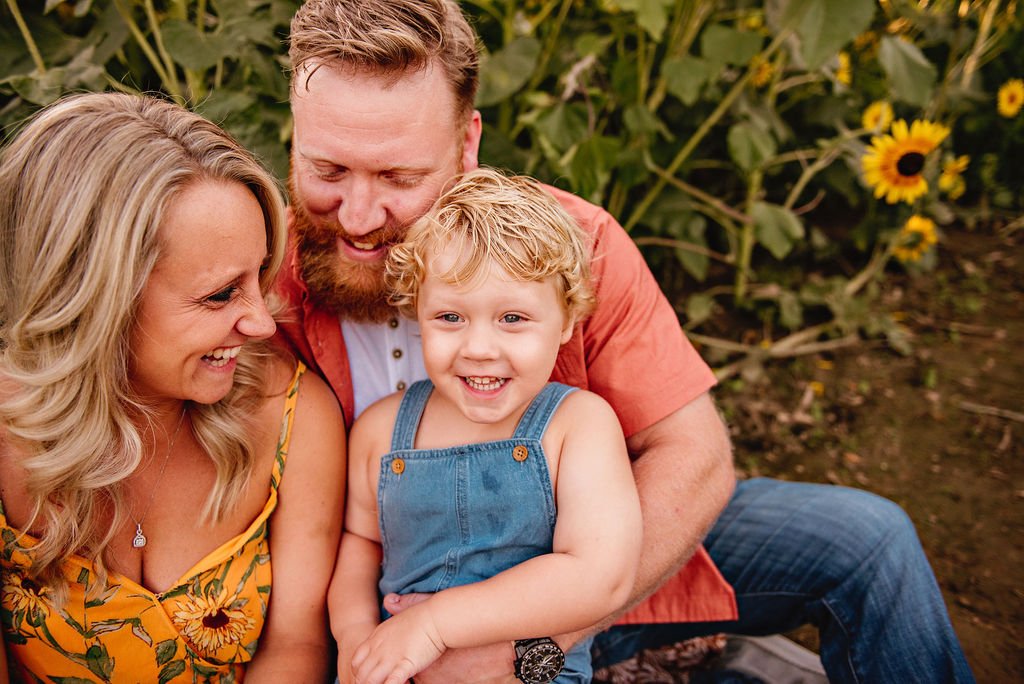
(693, 230)
(749, 146)
(911, 76)
(699, 308)
(592, 164)
(165, 650)
(563, 126)
(641, 122)
(38, 89)
(777, 228)
(172, 670)
(98, 661)
(685, 77)
(504, 72)
(825, 26)
(725, 45)
(140, 632)
(190, 48)
(651, 15)
(791, 312)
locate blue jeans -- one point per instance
(845, 560)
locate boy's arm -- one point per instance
(595, 554)
(352, 598)
(588, 575)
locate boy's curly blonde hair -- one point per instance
(511, 221)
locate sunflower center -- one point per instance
(910, 164)
(217, 620)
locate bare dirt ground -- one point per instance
(940, 431)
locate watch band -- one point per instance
(538, 661)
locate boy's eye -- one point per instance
(511, 318)
(223, 296)
(450, 318)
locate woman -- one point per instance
(149, 438)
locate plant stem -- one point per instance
(147, 50)
(550, 44)
(685, 246)
(972, 61)
(172, 78)
(30, 42)
(699, 135)
(747, 239)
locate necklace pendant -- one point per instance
(140, 539)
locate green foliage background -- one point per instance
(726, 135)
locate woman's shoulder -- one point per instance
(311, 392)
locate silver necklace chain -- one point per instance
(140, 539)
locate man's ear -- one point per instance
(471, 142)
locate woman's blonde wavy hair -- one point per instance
(84, 188)
(511, 221)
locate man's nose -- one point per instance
(361, 211)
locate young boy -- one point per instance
(455, 483)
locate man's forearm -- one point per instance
(684, 474)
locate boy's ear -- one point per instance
(570, 325)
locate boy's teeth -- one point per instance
(485, 384)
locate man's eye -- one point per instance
(511, 318)
(224, 296)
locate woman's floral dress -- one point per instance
(205, 628)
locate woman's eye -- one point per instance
(511, 318)
(224, 296)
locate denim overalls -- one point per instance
(462, 514)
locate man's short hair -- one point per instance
(388, 37)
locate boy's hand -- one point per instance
(480, 665)
(399, 648)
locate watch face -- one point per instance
(541, 663)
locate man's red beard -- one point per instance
(352, 289)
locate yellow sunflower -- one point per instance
(894, 163)
(211, 622)
(914, 239)
(866, 42)
(951, 179)
(877, 117)
(844, 74)
(1011, 97)
(25, 596)
(763, 71)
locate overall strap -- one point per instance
(407, 422)
(535, 421)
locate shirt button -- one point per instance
(393, 322)
(398, 466)
(400, 386)
(520, 453)
(397, 353)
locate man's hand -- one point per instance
(482, 665)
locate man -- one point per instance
(382, 96)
